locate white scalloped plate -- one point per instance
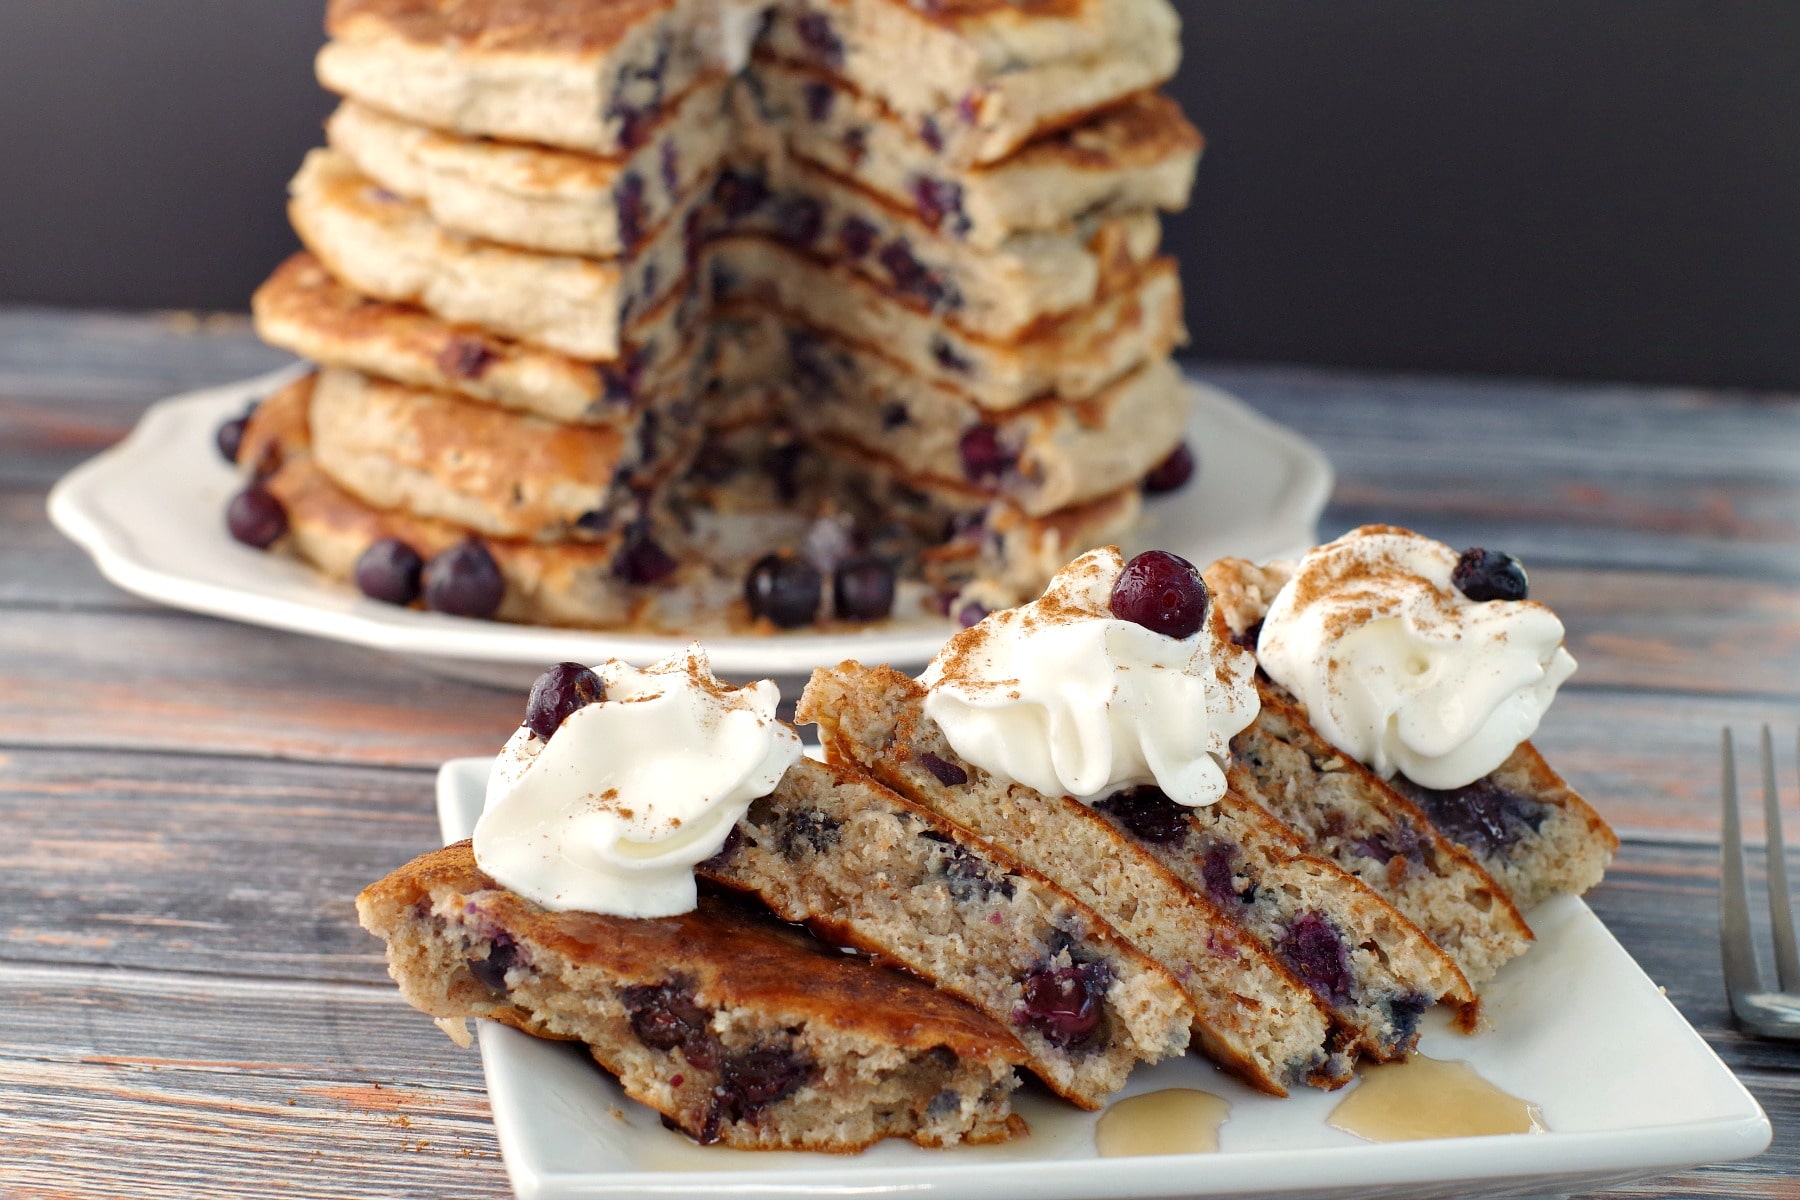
(150, 512)
(1626, 1087)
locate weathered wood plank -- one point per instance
(144, 1085)
(166, 681)
(102, 357)
(201, 864)
(1569, 474)
(1648, 761)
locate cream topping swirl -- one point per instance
(1400, 670)
(611, 814)
(1067, 699)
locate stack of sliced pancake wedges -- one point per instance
(635, 291)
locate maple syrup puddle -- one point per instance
(1430, 1098)
(1173, 1121)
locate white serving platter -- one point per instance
(150, 513)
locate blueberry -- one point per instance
(666, 1016)
(931, 135)
(752, 1080)
(1172, 472)
(1490, 575)
(820, 99)
(936, 200)
(785, 589)
(1149, 814)
(816, 31)
(1315, 952)
(557, 693)
(644, 561)
(1221, 880)
(944, 353)
(945, 772)
(740, 193)
(801, 219)
(671, 169)
(1063, 1003)
(389, 571)
(630, 204)
(894, 415)
(465, 357)
(464, 581)
(502, 956)
(229, 437)
(971, 614)
(864, 588)
(857, 237)
(255, 517)
(984, 460)
(1162, 592)
(1483, 816)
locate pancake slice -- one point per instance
(740, 1031)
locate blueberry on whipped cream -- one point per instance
(1070, 697)
(643, 775)
(1414, 659)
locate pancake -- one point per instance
(1136, 157)
(387, 247)
(993, 76)
(505, 475)
(739, 1030)
(595, 75)
(536, 197)
(591, 75)
(1041, 457)
(998, 292)
(1074, 356)
(303, 309)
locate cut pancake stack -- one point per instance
(656, 287)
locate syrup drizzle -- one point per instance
(1431, 1098)
(1173, 1121)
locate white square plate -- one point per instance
(1626, 1087)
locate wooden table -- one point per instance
(189, 805)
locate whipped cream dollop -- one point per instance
(1067, 699)
(1400, 670)
(612, 812)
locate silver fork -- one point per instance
(1764, 1013)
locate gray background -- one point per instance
(1577, 188)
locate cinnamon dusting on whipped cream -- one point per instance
(1066, 698)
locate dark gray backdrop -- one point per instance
(1600, 188)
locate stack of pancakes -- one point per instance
(631, 292)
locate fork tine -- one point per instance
(1781, 911)
(1737, 952)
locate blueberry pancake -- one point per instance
(993, 76)
(1347, 815)
(589, 75)
(387, 247)
(1524, 826)
(1138, 156)
(740, 1031)
(624, 576)
(1255, 1018)
(914, 251)
(1042, 457)
(303, 309)
(962, 914)
(538, 197)
(501, 474)
(1074, 356)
